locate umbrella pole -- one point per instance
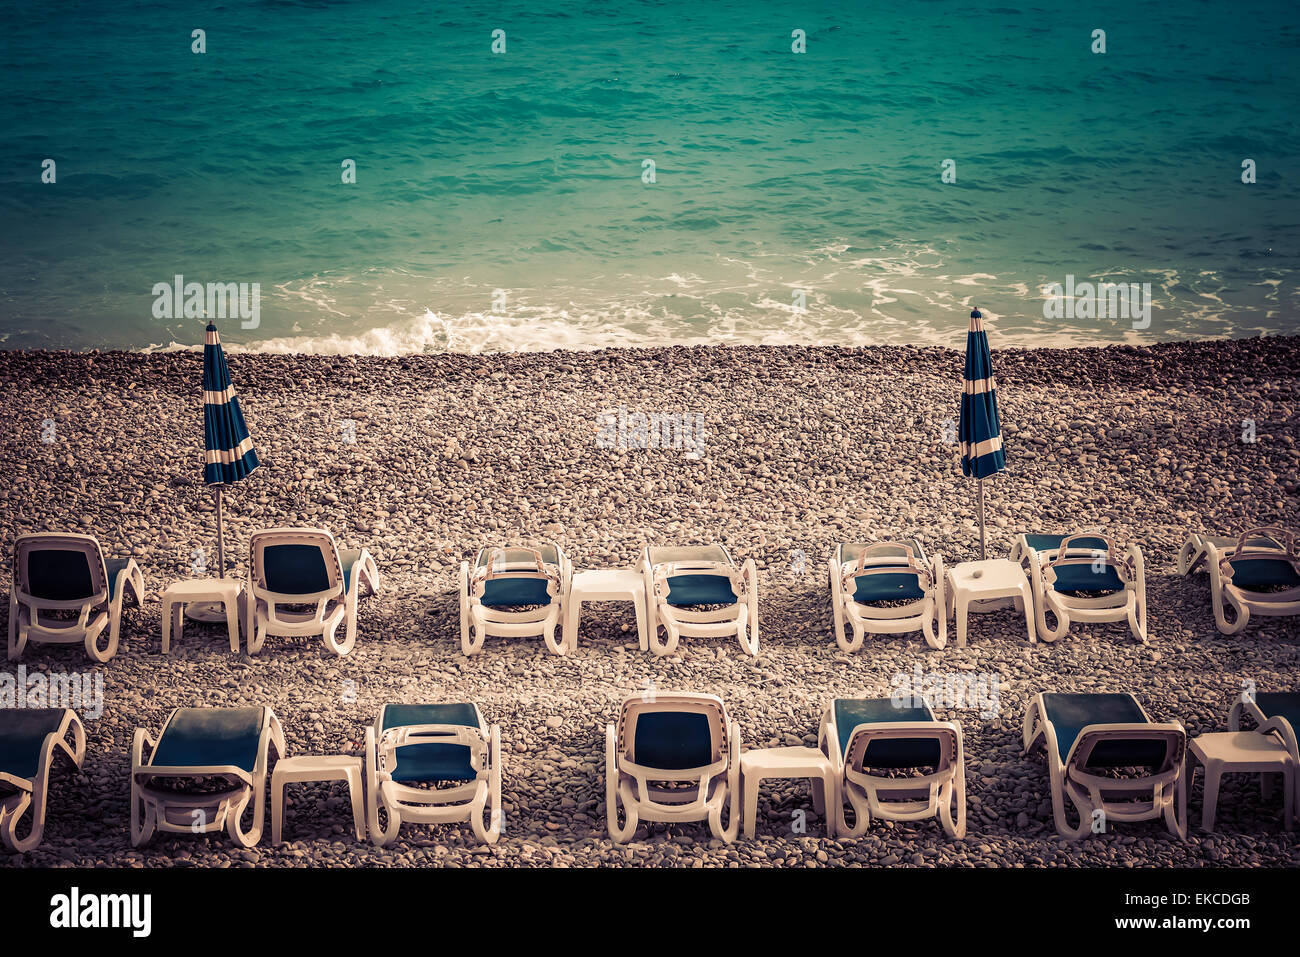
(221, 537)
(980, 484)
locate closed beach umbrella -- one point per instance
(229, 454)
(979, 431)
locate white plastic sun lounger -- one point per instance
(514, 592)
(699, 592)
(1113, 763)
(1257, 573)
(202, 772)
(672, 758)
(303, 566)
(862, 735)
(1084, 577)
(57, 574)
(868, 582)
(431, 744)
(29, 740)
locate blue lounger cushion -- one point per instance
(207, 737)
(672, 740)
(432, 762)
(896, 753)
(1083, 578)
(891, 586)
(1071, 713)
(515, 592)
(114, 567)
(1280, 704)
(1256, 574)
(22, 732)
(686, 590)
(348, 559)
(1050, 543)
(59, 574)
(295, 569)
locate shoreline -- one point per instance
(802, 446)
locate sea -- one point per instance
(390, 177)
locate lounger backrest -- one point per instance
(918, 745)
(1265, 541)
(701, 570)
(676, 735)
(435, 743)
(60, 570)
(885, 558)
(1081, 549)
(1259, 557)
(514, 576)
(303, 562)
(231, 739)
(1105, 747)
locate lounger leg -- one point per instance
(110, 622)
(143, 814)
(374, 797)
(489, 797)
(617, 834)
(16, 640)
(11, 813)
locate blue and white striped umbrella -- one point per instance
(228, 449)
(229, 453)
(979, 430)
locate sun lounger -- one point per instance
(303, 566)
(870, 740)
(1191, 557)
(427, 744)
(699, 592)
(514, 593)
(1257, 573)
(886, 588)
(59, 575)
(1110, 759)
(672, 758)
(1084, 577)
(202, 772)
(29, 740)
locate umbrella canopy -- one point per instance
(979, 431)
(229, 450)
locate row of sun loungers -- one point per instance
(670, 758)
(66, 591)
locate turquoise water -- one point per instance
(522, 172)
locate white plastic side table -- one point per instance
(980, 581)
(786, 763)
(226, 592)
(606, 584)
(331, 767)
(1238, 752)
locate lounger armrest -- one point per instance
(1283, 729)
(1133, 553)
(139, 743)
(198, 770)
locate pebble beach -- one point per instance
(422, 459)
